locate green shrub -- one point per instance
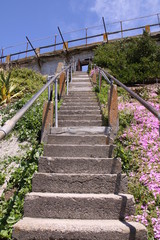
(27, 80)
(131, 60)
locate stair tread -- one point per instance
(79, 165)
(81, 130)
(78, 158)
(80, 195)
(81, 174)
(73, 225)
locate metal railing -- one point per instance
(110, 79)
(85, 34)
(10, 124)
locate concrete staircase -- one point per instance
(79, 191)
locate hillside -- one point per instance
(21, 149)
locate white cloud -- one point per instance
(124, 9)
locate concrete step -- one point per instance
(81, 96)
(80, 130)
(78, 139)
(80, 104)
(79, 83)
(91, 151)
(74, 80)
(83, 100)
(70, 123)
(84, 93)
(80, 73)
(80, 117)
(80, 183)
(79, 165)
(78, 206)
(79, 112)
(79, 89)
(80, 76)
(67, 229)
(78, 107)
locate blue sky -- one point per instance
(40, 18)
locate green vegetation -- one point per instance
(18, 82)
(135, 131)
(12, 201)
(131, 61)
(27, 129)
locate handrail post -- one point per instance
(49, 89)
(113, 119)
(67, 80)
(100, 78)
(71, 73)
(56, 103)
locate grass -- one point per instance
(27, 129)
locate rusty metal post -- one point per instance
(55, 41)
(62, 84)
(147, 29)
(47, 120)
(113, 109)
(26, 49)
(1, 54)
(121, 29)
(8, 59)
(50, 89)
(105, 36)
(64, 43)
(79, 65)
(158, 19)
(86, 35)
(38, 59)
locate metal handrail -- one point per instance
(78, 39)
(10, 124)
(148, 106)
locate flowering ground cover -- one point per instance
(139, 147)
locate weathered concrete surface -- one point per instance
(80, 112)
(82, 108)
(78, 139)
(78, 206)
(79, 89)
(80, 183)
(67, 229)
(79, 165)
(83, 104)
(98, 151)
(80, 117)
(49, 61)
(68, 123)
(80, 84)
(81, 130)
(82, 99)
